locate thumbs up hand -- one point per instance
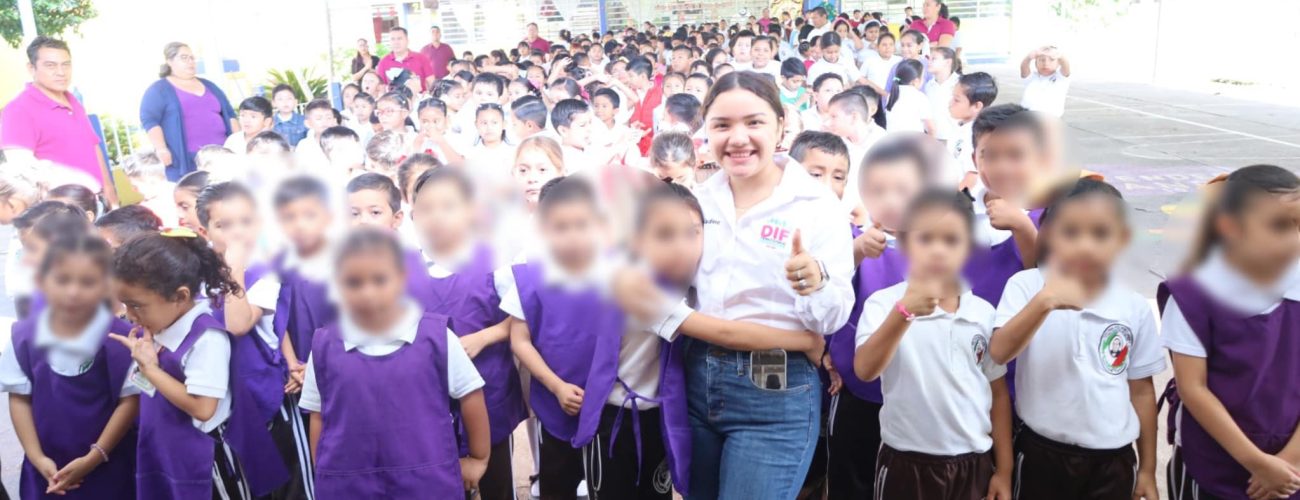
(802, 270)
(871, 243)
(1005, 215)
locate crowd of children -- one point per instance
(764, 260)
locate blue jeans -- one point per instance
(748, 442)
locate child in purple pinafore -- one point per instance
(199, 437)
(1232, 330)
(380, 384)
(71, 404)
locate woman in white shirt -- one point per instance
(908, 109)
(762, 216)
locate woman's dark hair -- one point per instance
(371, 181)
(193, 181)
(950, 55)
(216, 193)
(1075, 191)
(826, 77)
(761, 86)
(164, 264)
(76, 195)
(906, 72)
(129, 221)
(937, 198)
(260, 105)
(77, 243)
(367, 240)
(169, 51)
(565, 190)
(1233, 195)
(414, 166)
(454, 176)
(793, 67)
(978, 87)
(665, 192)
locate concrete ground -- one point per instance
(1156, 144)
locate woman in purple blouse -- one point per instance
(182, 112)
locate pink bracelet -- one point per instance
(102, 453)
(898, 306)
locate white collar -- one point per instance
(595, 274)
(315, 267)
(1228, 285)
(456, 260)
(403, 331)
(172, 336)
(965, 309)
(86, 342)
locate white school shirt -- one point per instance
(811, 118)
(843, 67)
(1072, 379)
(878, 68)
(236, 143)
(773, 68)
(1229, 287)
(68, 357)
(962, 148)
(940, 95)
(1046, 94)
(936, 388)
(462, 377)
(985, 234)
(206, 366)
(858, 152)
(742, 270)
(308, 154)
(265, 294)
(909, 112)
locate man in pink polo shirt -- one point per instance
(534, 41)
(936, 29)
(403, 58)
(45, 121)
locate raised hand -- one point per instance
(1061, 291)
(1005, 215)
(871, 243)
(922, 296)
(801, 269)
(140, 342)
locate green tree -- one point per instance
(53, 17)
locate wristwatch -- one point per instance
(826, 277)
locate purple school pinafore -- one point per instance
(174, 458)
(988, 271)
(388, 430)
(302, 307)
(257, 391)
(675, 425)
(469, 300)
(564, 326)
(873, 275)
(71, 412)
(1253, 367)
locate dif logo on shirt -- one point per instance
(776, 234)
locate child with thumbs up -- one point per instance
(1087, 348)
(945, 425)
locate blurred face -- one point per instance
(831, 54)
(740, 52)
(537, 77)
(285, 102)
(743, 132)
(930, 9)
(597, 53)
(831, 170)
(10, 208)
(455, 98)
(485, 93)
(183, 64)
(909, 47)
(672, 241)
(936, 244)
(320, 119)
(363, 46)
(392, 116)
(1047, 62)
(830, 88)
(887, 189)
(231, 222)
(253, 122)
(681, 61)
(681, 172)
(572, 234)
(1087, 234)
(793, 83)
(490, 125)
(435, 34)
(603, 108)
(369, 207)
(370, 84)
(578, 133)
(304, 221)
(362, 109)
(940, 65)
(533, 169)
(841, 122)
(762, 52)
(872, 33)
(76, 285)
(185, 200)
(531, 31)
(697, 87)
(673, 86)
(960, 106)
(1266, 232)
(1008, 161)
(150, 310)
(398, 40)
(517, 90)
(442, 215)
(885, 47)
(371, 285)
(53, 70)
(433, 120)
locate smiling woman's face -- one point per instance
(743, 132)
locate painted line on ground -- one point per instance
(1188, 122)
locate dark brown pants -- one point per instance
(903, 475)
(1046, 469)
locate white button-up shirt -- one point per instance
(206, 366)
(742, 271)
(67, 356)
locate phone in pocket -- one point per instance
(767, 369)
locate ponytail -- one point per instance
(907, 71)
(1229, 195)
(164, 262)
(169, 51)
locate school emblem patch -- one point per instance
(979, 346)
(1113, 351)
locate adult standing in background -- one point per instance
(364, 61)
(182, 112)
(438, 53)
(937, 29)
(46, 122)
(820, 22)
(402, 58)
(535, 41)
